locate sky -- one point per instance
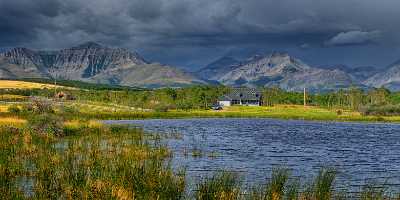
(192, 33)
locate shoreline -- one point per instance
(197, 115)
(257, 118)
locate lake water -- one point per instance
(361, 152)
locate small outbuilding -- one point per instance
(64, 96)
(241, 96)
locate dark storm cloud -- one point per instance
(20, 19)
(201, 29)
(146, 10)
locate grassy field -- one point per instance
(10, 84)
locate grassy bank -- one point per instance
(277, 111)
(104, 111)
(51, 159)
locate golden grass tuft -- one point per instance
(75, 124)
(4, 108)
(12, 121)
(12, 97)
(95, 124)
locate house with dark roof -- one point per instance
(241, 96)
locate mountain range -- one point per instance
(95, 63)
(280, 70)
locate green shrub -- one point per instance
(38, 106)
(42, 106)
(27, 108)
(383, 110)
(161, 108)
(46, 124)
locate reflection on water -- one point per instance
(360, 152)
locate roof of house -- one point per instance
(242, 94)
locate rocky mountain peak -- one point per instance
(91, 62)
(88, 45)
(277, 54)
(389, 78)
(281, 69)
(254, 58)
(18, 51)
(277, 61)
(20, 56)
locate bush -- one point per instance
(42, 106)
(161, 108)
(383, 110)
(69, 110)
(14, 109)
(38, 106)
(46, 124)
(184, 106)
(27, 108)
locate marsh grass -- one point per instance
(88, 160)
(280, 186)
(323, 184)
(223, 185)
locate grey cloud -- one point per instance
(20, 19)
(146, 10)
(355, 38)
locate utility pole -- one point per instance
(305, 97)
(55, 85)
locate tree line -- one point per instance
(202, 97)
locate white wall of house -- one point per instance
(224, 103)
